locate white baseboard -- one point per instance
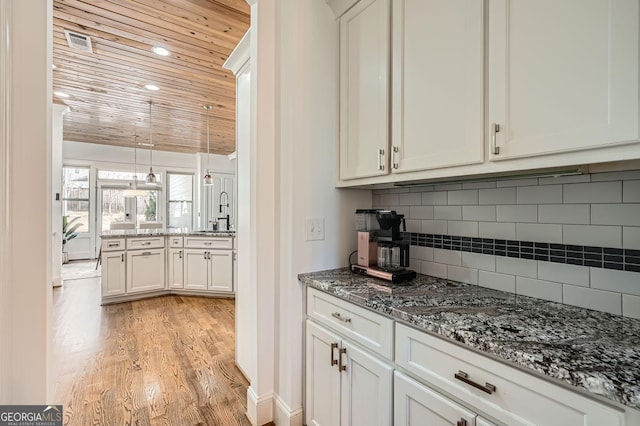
(285, 416)
(57, 282)
(259, 408)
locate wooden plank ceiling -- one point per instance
(106, 88)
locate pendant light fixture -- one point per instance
(133, 190)
(208, 179)
(151, 177)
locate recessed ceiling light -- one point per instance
(60, 94)
(159, 50)
(151, 87)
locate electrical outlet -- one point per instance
(315, 228)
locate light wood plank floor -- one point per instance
(167, 360)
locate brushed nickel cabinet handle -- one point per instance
(464, 377)
(341, 352)
(381, 159)
(461, 422)
(113, 244)
(207, 243)
(339, 317)
(146, 243)
(333, 360)
(146, 253)
(180, 254)
(495, 128)
(394, 157)
(122, 257)
(205, 255)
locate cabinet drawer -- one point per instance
(145, 243)
(208, 243)
(113, 244)
(517, 397)
(175, 241)
(367, 328)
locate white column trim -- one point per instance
(5, 211)
(259, 408)
(285, 416)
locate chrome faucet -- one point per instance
(226, 219)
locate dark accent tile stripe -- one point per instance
(591, 256)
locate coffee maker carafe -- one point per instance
(393, 250)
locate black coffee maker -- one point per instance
(393, 250)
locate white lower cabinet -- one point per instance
(415, 404)
(345, 384)
(113, 273)
(175, 270)
(145, 270)
(210, 270)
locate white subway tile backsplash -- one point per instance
(619, 281)
(517, 213)
(479, 185)
(462, 228)
(539, 232)
(414, 225)
(496, 196)
(421, 212)
(517, 182)
(447, 187)
(631, 191)
(479, 213)
(410, 199)
(415, 264)
(626, 175)
(497, 281)
(600, 192)
(405, 210)
(421, 253)
(564, 273)
(422, 188)
(447, 212)
(592, 235)
(504, 231)
(388, 199)
(541, 289)
(434, 269)
(565, 213)
(467, 197)
(434, 198)
(450, 257)
(615, 214)
(631, 306)
(631, 237)
(464, 275)
(589, 298)
(564, 179)
(434, 226)
(479, 261)
(545, 194)
(516, 266)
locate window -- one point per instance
(75, 195)
(179, 200)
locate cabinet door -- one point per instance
(415, 404)
(438, 63)
(175, 270)
(481, 421)
(221, 272)
(196, 268)
(563, 75)
(145, 270)
(322, 377)
(367, 388)
(113, 273)
(364, 89)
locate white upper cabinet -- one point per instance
(563, 75)
(438, 63)
(364, 89)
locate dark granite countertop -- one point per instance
(591, 350)
(160, 232)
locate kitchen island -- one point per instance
(152, 262)
(593, 353)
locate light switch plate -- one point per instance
(314, 228)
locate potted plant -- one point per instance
(68, 233)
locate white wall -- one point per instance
(25, 282)
(294, 133)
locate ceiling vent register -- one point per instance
(79, 41)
